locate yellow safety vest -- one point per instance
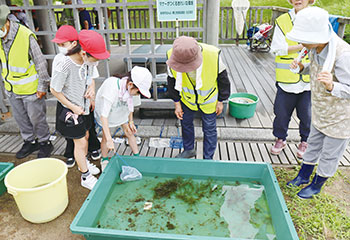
(283, 74)
(18, 70)
(207, 96)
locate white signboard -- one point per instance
(172, 10)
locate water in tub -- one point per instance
(202, 207)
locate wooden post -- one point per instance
(212, 20)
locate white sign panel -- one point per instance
(172, 10)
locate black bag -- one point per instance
(69, 118)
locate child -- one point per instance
(330, 87)
(293, 90)
(70, 85)
(115, 107)
(66, 37)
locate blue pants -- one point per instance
(208, 128)
(283, 108)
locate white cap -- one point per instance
(310, 2)
(142, 78)
(311, 26)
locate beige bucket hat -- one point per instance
(186, 55)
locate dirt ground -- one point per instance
(14, 227)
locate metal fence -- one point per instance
(139, 25)
(139, 18)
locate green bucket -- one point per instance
(242, 105)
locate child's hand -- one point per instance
(326, 78)
(132, 127)
(77, 110)
(110, 145)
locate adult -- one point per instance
(198, 81)
(330, 86)
(24, 71)
(293, 90)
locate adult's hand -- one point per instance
(40, 95)
(219, 108)
(326, 78)
(178, 111)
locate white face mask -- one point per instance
(3, 33)
(90, 64)
(63, 50)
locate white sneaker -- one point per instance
(89, 182)
(104, 164)
(92, 168)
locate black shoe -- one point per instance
(187, 154)
(95, 155)
(70, 162)
(27, 148)
(45, 149)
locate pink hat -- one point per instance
(186, 55)
(65, 33)
(93, 43)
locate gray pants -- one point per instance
(30, 115)
(3, 107)
(326, 149)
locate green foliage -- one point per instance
(339, 7)
(320, 218)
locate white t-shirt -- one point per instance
(110, 106)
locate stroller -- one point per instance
(259, 38)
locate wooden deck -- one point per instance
(226, 151)
(251, 72)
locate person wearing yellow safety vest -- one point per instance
(24, 72)
(197, 81)
(293, 90)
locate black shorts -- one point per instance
(72, 132)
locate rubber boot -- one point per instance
(314, 188)
(303, 175)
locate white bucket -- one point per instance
(39, 188)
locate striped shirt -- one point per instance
(66, 79)
(34, 53)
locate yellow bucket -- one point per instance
(39, 188)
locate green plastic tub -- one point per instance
(5, 167)
(86, 220)
(242, 105)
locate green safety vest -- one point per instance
(207, 96)
(283, 74)
(18, 70)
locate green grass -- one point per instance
(320, 218)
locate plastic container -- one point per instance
(242, 105)
(85, 222)
(39, 188)
(5, 167)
